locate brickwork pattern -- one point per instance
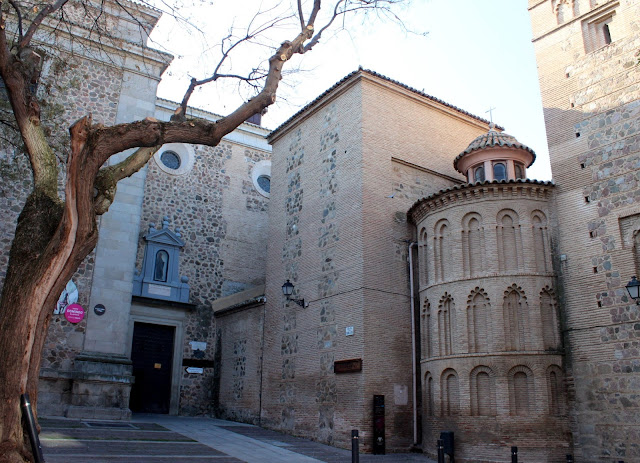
(338, 231)
(241, 363)
(491, 351)
(590, 95)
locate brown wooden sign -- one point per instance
(347, 366)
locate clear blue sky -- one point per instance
(477, 54)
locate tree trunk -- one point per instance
(52, 238)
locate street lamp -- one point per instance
(287, 290)
(633, 287)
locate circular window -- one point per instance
(170, 159)
(261, 176)
(264, 182)
(175, 158)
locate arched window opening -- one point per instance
(499, 171)
(521, 393)
(477, 322)
(426, 330)
(429, 402)
(472, 246)
(483, 398)
(442, 258)
(555, 390)
(519, 168)
(515, 320)
(423, 266)
(478, 174)
(510, 243)
(539, 224)
(549, 316)
(445, 325)
(451, 394)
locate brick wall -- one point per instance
(348, 169)
(590, 98)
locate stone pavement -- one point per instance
(165, 439)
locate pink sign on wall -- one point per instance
(74, 313)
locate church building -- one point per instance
(378, 262)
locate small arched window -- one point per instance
(161, 266)
(478, 174)
(519, 170)
(499, 171)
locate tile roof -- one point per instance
(360, 70)
(492, 139)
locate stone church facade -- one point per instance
(426, 267)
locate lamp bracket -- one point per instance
(300, 302)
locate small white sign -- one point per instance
(160, 290)
(198, 345)
(348, 331)
(195, 370)
(400, 394)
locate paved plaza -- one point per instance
(165, 439)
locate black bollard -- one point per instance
(440, 451)
(569, 458)
(355, 447)
(514, 454)
(30, 423)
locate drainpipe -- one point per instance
(413, 347)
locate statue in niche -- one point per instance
(162, 264)
(160, 278)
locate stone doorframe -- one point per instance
(169, 317)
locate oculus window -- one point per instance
(170, 159)
(175, 158)
(261, 177)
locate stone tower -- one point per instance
(590, 81)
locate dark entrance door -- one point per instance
(152, 356)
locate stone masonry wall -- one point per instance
(592, 113)
(221, 219)
(92, 88)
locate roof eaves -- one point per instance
(380, 76)
(463, 186)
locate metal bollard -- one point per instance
(514, 454)
(569, 458)
(440, 451)
(355, 446)
(30, 423)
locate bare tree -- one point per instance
(57, 230)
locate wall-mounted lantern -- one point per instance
(633, 287)
(287, 290)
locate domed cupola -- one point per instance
(494, 156)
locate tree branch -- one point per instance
(181, 111)
(19, 14)
(46, 11)
(316, 38)
(300, 15)
(108, 177)
(17, 72)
